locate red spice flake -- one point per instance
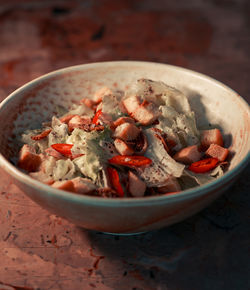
(204, 165)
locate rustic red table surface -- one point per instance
(210, 250)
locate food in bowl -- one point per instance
(134, 143)
(36, 102)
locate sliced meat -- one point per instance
(136, 186)
(126, 131)
(78, 122)
(132, 103)
(146, 113)
(28, 159)
(106, 192)
(67, 118)
(42, 177)
(88, 102)
(67, 185)
(212, 136)
(123, 120)
(122, 147)
(101, 93)
(52, 152)
(188, 155)
(48, 164)
(172, 185)
(105, 118)
(217, 151)
(83, 185)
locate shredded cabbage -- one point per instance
(162, 163)
(190, 179)
(176, 120)
(39, 145)
(49, 165)
(81, 110)
(94, 156)
(59, 132)
(160, 94)
(111, 105)
(64, 169)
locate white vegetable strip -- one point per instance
(162, 163)
(59, 132)
(64, 169)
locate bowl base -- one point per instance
(123, 234)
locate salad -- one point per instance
(140, 142)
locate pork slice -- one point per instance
(66, 185)
(67, 118)
(106, 192)
(83, 185)
(123, 120)
(171, 185)
(78, 122)
(122, 147)
(131, 103)
(42, 177)
(28, 159)
(126, 131)
(217, 151)
(146, 113)
(105, 118)
(136, 186)
(52, 152)
(88, 102)
(188, 155)
(212, 136)
(99, 94)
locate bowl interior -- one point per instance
(215, 105)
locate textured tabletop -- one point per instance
(210, 250)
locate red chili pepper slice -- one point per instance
(64, 149)
(130, 161)
(115, 181)
(41, 135)
(203, 165)
(96, 117)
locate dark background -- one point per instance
(209, 36)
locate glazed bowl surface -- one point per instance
(34, 103)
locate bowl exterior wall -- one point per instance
(123, 219)
(212, 102)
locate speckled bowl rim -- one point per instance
(127, 201)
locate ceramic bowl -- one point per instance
(35, 102)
